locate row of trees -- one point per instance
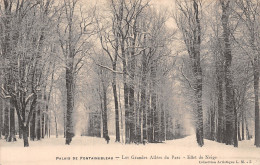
(135, 39)
(123, 64)
(43, 42)
(26, 65)
(29, 56)
(228, 43)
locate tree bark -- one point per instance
(70, 93)
(64, 124)
(162, 125)
(24, 122)
(116, 103)
(243, 126)
(56, 126)
(6, 119)
(144, 106)
(25, 135)
(235, 127)
(126, 98)
(229, 115)
(197, 71)
(33, 126)
(220, 124)
(154, 108)
(47, 119)
(42, 125)
(143, 92)
(238, 129)
(20, 128)
(199, 112)
(212, 123)
(1, 117)
(132, 85)
(131, 116)
(248, 136)
(149, 115)
(38, 118)
(11, 137)
(38, 128)
(256, 93)
(104, 114)
(121, 115)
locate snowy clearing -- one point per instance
(182, 151)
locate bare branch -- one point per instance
(109, 69)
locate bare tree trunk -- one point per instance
(229, 115)
(46, 131)
(25, 135)
(248, 136)
(48, 118)
(149, 115)
(11, 137)
(243, 125)
(138, 119)
(143, 91)
(126, 98)
(162, 127)
(70, 93)
(198, 77)
(43, 115)
(155, 119)
(256, 93)
(220, 124)
(121, 115)
(32, 126)
(1, 117)
(20, 128)
(64, 124)
(104, 112)
(169, 127)
(38, 128)
(49, 127)
(6, 119)
(131, 104)
(199, 112)
(46, 127)
(143, 106)
(238, 129)
(56, 126)
(116, 103)
(25, 124)
(42, 124)
(212, 123)
(38, 112)
(235, 129)
(132, 85)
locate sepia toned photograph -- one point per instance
(129, 82)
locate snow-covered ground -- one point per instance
(83, 150)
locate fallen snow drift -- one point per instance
(91, 150)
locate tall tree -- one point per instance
(73, 29)
(230, 114)
(248, 13)
(23, 64)
(189, 24)
(110, 44)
